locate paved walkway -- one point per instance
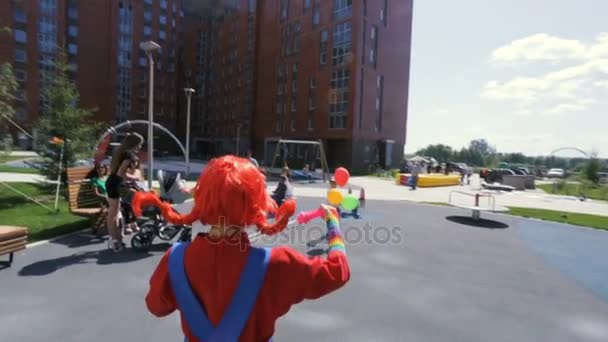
(383, 189)
(418, 274)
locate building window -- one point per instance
(163, 19)
(323, 47)
(20, 55)
(173, 23)
(72, 31)
(20, 36)
(149, 2)
(20, 114)
(364, 8)
(19, 16)
(374, 46)
(162, 35)
(148, 15)
(311, 100)
(143, 61)
(379, 101)
(311, 125)
(342, 8)
(294, 103)
(147, 30)
(174, 7)
(72, 49)
(384, 13)
(341, 43)
(306, 5)
(312, 82)
(284, 9)
(20, 75)
(361, 97)
(163, 4)
(338, 103)
(72, 13)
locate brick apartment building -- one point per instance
(336, 70)
(101, 39)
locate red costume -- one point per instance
(231, 192)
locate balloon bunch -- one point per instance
(334, 197)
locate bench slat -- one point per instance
(10, 242)
(12, 248)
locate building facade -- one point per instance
(101, 39)
(337, 71)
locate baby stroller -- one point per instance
(172, 190)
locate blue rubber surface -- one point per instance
(577, 252)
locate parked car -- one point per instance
(556, 173)
(603, 177)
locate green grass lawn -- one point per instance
(569, 189)
(593, 221)
(6, 168)
(6, 158)
(42, 224)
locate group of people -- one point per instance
(204, 275)
(108, 182)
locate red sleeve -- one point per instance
(160, 299)
(297, 277)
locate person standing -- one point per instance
(122, 158)
(415, 173)
(251, 159)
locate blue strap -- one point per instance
(241, 305)
(189, 305)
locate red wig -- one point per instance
(230, 191)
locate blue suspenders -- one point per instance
(240, 307)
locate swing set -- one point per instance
(312, 155)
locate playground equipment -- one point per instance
(477, 208)
(316, 156)
(103, 142)
(430, 180)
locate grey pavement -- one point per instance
(439, 278)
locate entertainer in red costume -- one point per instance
(225, 289)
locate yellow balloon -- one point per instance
(334, 197)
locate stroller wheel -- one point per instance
(168, 232)
(141, 241)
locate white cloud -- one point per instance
(601, 84)
(540, 47)
(520, 88)
(565, 108)
(560, 90)
(544, 47)
(577, 106)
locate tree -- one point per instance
(8, 87)
(442, 153)
(591, 170)
(62, 118)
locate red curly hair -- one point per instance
(230, 191)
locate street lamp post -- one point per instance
(189, 92)
(149, 47)
(238, 137)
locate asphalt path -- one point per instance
(419, 273)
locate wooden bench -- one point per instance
(12, 239)
(82, 198)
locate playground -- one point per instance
(432, 279)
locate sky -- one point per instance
(529, 76)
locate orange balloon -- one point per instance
(341, 175)
(334, 197)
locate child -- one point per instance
(211, 267)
